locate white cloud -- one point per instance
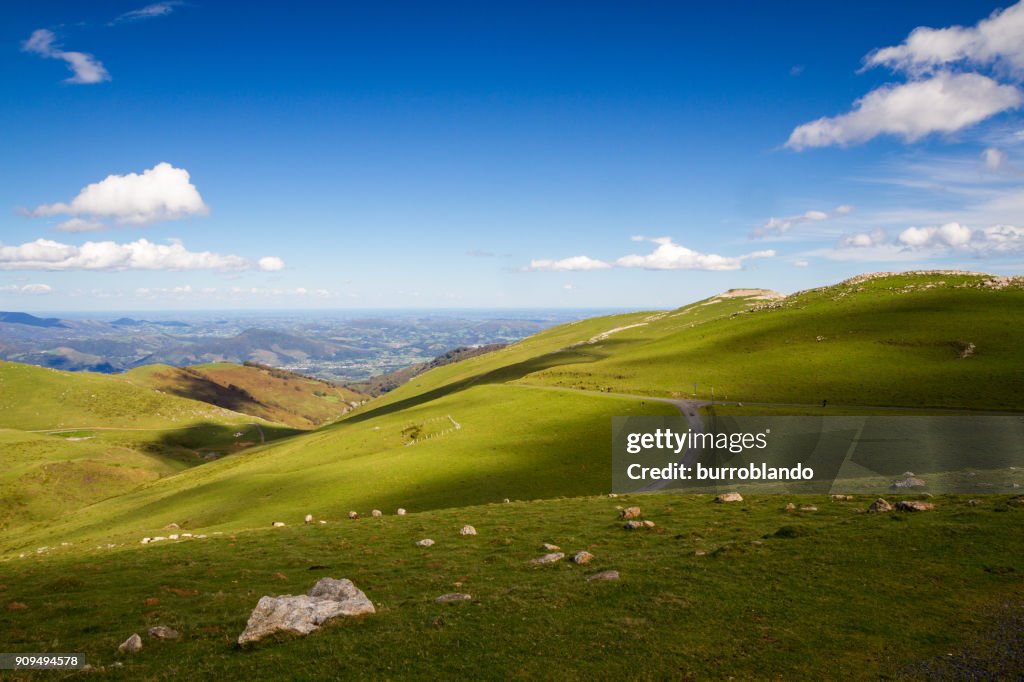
(995, 41)
(86, 68)
(986, 240)
(800, 263)
(80, 225)
(862, 240)
(29, 289)
(671, 256)
(945, 103)
(45, 254)
(159, 193)
(157, 9)
(270, 264)
(571, 264)
(782, 225)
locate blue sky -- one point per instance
(202, 155)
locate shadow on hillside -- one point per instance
(190, 384)
(501, 375)
(208, 440)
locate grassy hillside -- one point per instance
(888, 340)
(36, 398)
(473, 447)
(264, 392)
(743, 591)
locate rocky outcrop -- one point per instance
(303, 614)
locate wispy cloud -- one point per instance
(159, 193)
(571, 264)
(782, 225)
(86, 68)
(666, 256)
(157, 9)
(27, 289)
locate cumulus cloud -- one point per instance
(270, 264)
(80, 225)
(945, 103)
(993, 158)
(945, 90)
(162, 192)
(157, 9)
(45, 254)
(85, 68)
(671, 256)
(574, 263)
(995, 41)
(28, 289)
(782, 225)
(862, 240)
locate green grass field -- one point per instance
(825, 595)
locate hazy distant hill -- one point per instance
(31, 320)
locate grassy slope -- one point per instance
(513, 442)
(276, 396)
(882, 345)
(851, 596)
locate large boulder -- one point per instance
(467, 530)
(914, 505)
(879, 505)
(302, 614)
(630, 513)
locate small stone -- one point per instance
(452, 597)
(550, 548)
(634, 525)
(914, 506)
(757, 543)
(548, 558)
(186, 535)
(172, 536)
(163, 632)
(582, 557)
(505, 501)
(973, 503)
(648, 524)
(908, 482)
(131, 645)
(842, 498)
(308, 520)
(376, 512)
(630, 513)
(790, 507)
(612, 495)
(425, 542)
(401, 512)
(158, 538)
(353, 515)
(879, 505)
(808, 508)
(467, 530)
(605, 575)
(277, 524)
(729, 497)
(146, 541)
(322, 522)
(172, 526)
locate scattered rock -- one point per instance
(172, 536)
(612, 495)
(790, 507)
(163, 632)
(467, 530)
(550, 548)
(842, 498)
(152, 601)
(322, 522)
(819, 338)
(172, 526)
(914, 506)
(549, 558)
(309, 519)
(973, 503)
(453, 597)
(16, 606)
(582, 557)
(808, 508)
(967, 350)
(879, 505)
(729, 497)
(505, 501)
(146, 541)
(425, 542)
(158, 538)
(277, 524)
(280, 576)
(353, 515)
(648, 524)
(908, 482)
(303, 614)
(401, 512)
(699, 552)
(376, 512)
(637, 525)
(131, 645)
(630, 513)
(605, 575)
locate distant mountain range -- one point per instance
(31, 320)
